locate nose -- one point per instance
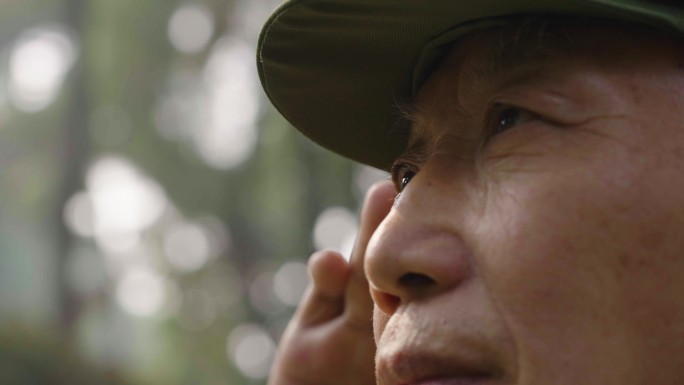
(418, 251)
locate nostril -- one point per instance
(386, 302)
(408, 287)
(415, 280)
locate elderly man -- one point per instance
(534, 230)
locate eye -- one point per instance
(402, 174)
(508, 118)
(405, 179)
(504, 117)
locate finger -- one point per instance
(378, 203)
(324, 299)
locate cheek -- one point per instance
(573, 258)
(545, 269)
(547, 250)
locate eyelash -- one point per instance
(402, 173)
(497, 122)
(497, 118)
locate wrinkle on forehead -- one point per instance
(480, 62)
(475, 65)
(504, 56)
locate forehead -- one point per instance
(536, 52)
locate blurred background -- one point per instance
(156, 212)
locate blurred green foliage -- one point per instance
(31, 358)
(63, 295)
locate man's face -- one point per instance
(539, 238)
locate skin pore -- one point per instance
(537, 238)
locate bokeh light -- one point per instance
(182, 107)
(186, 246)
(79, 214)
(218, 234)
(248, 16)
(141, 291)
(216, 112)
(160, 252)
(190, 28)
(365, 177)
(251, 349)
(290, 282)
(262, 294)
(125, 202)
(124, 199)
(39, 61)
(334, 228)
(230, 135)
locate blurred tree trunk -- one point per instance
(73, 152)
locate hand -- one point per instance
(329, 341)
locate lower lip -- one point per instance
(457, 381)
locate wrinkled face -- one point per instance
(539, 234)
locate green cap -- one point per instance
(336, 69)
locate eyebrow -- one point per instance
(505, 64)
(412, 122)
(505, 61)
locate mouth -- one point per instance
(422, 344)
(423, 368)
(452, 381)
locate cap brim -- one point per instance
(336, 69)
